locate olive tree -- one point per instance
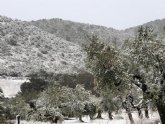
(109, 67)
(147, 53)
(64, 101)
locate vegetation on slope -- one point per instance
(78, 32)
(26, 48)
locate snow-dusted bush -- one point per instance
(58, 101)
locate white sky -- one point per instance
(119, 14)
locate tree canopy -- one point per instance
(139, 65)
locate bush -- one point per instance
(2, 113)
(12, 40)
(38, 82)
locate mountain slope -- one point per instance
(158, 27)
(29, 46)
(78, 32)
(25, 48)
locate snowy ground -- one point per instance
(11, 87)
(116, 120)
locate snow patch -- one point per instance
(11, 87)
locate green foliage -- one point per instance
(2, 109)
(53, 103)
(43, 99)
(12, 41)
(17, 105)
(68, 101)
(38, 82)
(142, 64)
(109, 103)
(71, 80)
(24, 102)
(107, 65)
(148, 55)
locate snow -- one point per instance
(97, 121)
(105, 120)
(11, 87)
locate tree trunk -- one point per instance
(161, 110)
(130, 118)
(18, 119)
(91, 117)
(110, 115)
(55, 120)
(80, 118)
(99, 114)
(128, 110)
(140, 113)
(146, 111)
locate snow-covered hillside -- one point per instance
(25, 48)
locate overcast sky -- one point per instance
(119, 14)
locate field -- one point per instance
(10, 86)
